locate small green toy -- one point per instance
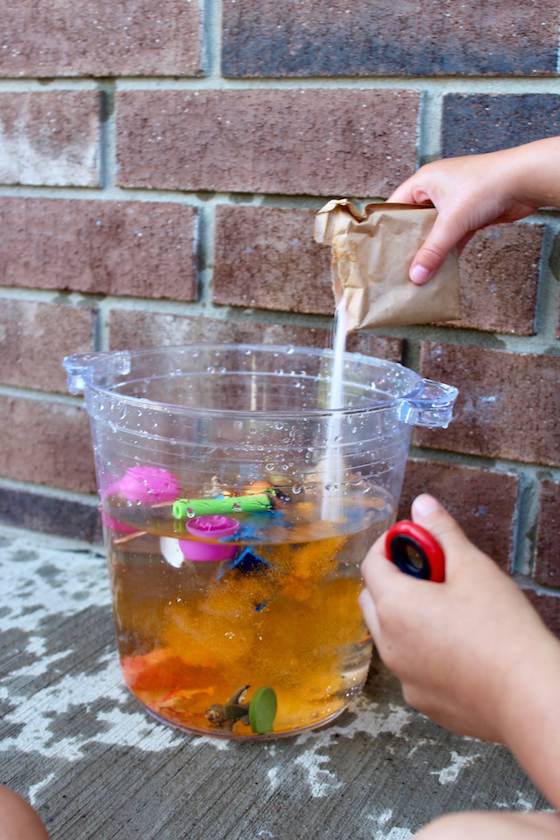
(188, 508)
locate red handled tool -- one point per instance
(415, 552)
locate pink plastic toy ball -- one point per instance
(116, 525)
(212, 527)
(148, 485)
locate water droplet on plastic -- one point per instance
(269, 467)
(236, 507)
(279, 426)
(190, 513)
(297, 489)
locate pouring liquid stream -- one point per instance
(331, 507)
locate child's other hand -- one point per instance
(469, 193)
(459, 648)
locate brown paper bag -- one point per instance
(371, 256)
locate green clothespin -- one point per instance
(187, 508)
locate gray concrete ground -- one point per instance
(77, 745)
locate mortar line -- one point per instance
(525, 524)
(199, 198)
(32, 295)
(202, 198)
(529, 583)
(107, 131)
(103, 312)
(558, 52)
(212, 33)
(538, 472)
(443, 84)
(212, 39)
(48, 490)
(96, 332)
(548, 298)
(205, 243)
(34, 394)
(55, 296)
(411, 354)
(430, 126)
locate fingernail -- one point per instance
(419, 274)
(425, 505)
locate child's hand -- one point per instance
(472, 192)
(459, 647)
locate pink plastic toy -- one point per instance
(116, 525)
(147, 485)
(212, 527)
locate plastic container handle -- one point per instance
(430, 405)
(82, 369)
(415, 551)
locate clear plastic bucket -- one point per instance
(237, 508)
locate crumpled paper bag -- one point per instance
(371, 256)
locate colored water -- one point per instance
(286, 616)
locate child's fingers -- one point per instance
(379, 573)
(403, 193)
(429, 513)
(446, 232)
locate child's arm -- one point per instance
(478, 190)
(471, 653)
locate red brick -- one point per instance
(499, 279)
(483, 502)
(50, 138)
(472, 124)
(319, 142)
(138, 329)
(548, 607)
(32, 342)
(103, 38)
(547, 560)
(376, 37)
(46, 443)
(102, 247)
(268, 259)
(508, 406)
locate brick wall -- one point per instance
(158, 164)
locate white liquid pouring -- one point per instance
(333, 476)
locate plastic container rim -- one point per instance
(174, 408)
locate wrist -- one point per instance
(529, 714)
(533, 172)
